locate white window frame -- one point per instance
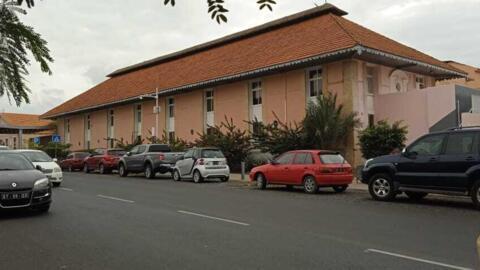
(418, 85)
(373, 79)
(111, 127)
(170, 119)
(308, 92)
(88, 131)
(209, 116)
(255, 109)
(138, 114)
(67, 130)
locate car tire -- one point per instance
(176, 176)
(310, 184)
(340, 189)
(101, 169)
(85, 168)
(381, 187)
(225, 179)
(122, 171)
(197, 177)
(475, 194)
(149, 173)
(56, 184)
(416, 196)
(70, 169)
(261, 181)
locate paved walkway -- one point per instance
(355, 185)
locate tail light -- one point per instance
(200, 162)
(161, 157)
(325, 170)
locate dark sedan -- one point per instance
(22, 185)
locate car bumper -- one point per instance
(214, 171)
(164, 168)
(365, 175)
(56, 177)
(37, 198)
(334, 180)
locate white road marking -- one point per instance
(214, 218)
(66, 189)
(114, 198)
(417, 259)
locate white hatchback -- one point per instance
(202, 163)
(49, 166)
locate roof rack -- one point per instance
(460, 128)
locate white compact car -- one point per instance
(49, 166)
(202, 163)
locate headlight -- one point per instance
(368, 161)
(57, 170)
(41, 184)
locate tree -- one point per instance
(16, 40)
(218, 11)
(326, 124)
(382, 139)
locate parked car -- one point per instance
(311, 169)
(443, 162)
(21, 185)
(3, 147)
(149, 159)
(103, 160)
(48, 165)
(74, 161)
(202, 163)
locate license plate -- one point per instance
(216, 163)
(15, 196)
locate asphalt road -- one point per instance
(107, 222)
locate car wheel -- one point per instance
(176, 176)
(261, 181)
(197, 177)
(310, 184)
(475, 193)
(340, 189)
(70, 169)
(101, 169)
(85, 168)
(122, 171)
(381, 187)
(56, 184)
(416, 195)
(224, 179)
(149, 174)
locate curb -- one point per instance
(478, 247)
(354, 186)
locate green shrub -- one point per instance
(382, 139)
(176, 144)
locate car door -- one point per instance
(129, 158)
(420, 164)
(298, 168)
(461, 153)
(186, 164)
(138, 158)
(67, 162)
(280, 170)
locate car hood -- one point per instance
(261, 167)
(385, 159)
(47, 165)
(23, 179)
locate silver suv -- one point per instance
(201, 163)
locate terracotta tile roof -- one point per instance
(17, 120)
(315, 32)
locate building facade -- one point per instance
(17, 130)
(273, 70)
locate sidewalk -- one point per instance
(238, 178)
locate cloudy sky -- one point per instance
(91, 38)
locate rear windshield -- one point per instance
(37, 156)
(159, 148)
(117, 153)
(14, 162)
(212, 153)
(331, 158)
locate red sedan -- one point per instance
(74, 161)
(308, 168)
(103, 160)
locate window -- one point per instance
(370, 80)
(256, 128)
(209, 100)
(371, 120)
(315, 81)
(171, 107)
(331, 158)
(212, 153)
(256, 88)
(14, 143)
(67, 131)
(420, 82)
(141, 149)
(111, 128)
(460, 144)
(87, 131)
(428, 146)
(188, 154)
(210, 130)
(285, 158)
(303, 158)
(134, 150)
(138, 121)
(171, 136)
(159, 148)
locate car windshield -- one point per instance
(159, 148)
(331, 158)
(212, 153)
(14, 162)
(117, 153)
(37, 156)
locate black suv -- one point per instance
(443, 162)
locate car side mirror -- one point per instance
(129, 154)
(273, 162)
(39, 168)
(409, 154)
(55, 160)
(181, 158)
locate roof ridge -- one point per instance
(335, 18)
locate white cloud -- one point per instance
(91, 38)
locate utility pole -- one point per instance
(157, 111)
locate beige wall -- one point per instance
(189, 115)
(473, 80)
(231, 100)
